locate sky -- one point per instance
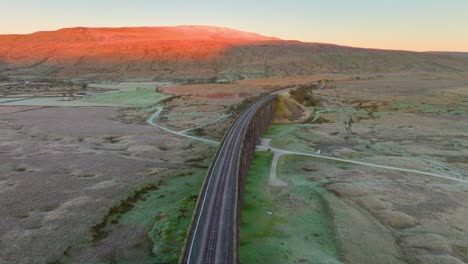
(417, 25)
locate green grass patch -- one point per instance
(291, 136)
(135, 98)
(285, 224)
(163, 207)
(172, 220)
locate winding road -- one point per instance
(179, 133)
(280, 152)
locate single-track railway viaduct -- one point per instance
(213, 236)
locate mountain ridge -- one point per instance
(196, 52)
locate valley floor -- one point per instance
(327, 211)
(114, 178)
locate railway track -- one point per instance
(213, 234)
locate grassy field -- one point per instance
(135, 98)
(152, 220)
(129, 86)
(291, 136)
(168, 233)
(359, 213)
(285, 225)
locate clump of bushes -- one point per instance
(4, 78)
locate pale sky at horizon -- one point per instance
(405, 25)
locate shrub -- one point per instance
(4, 78)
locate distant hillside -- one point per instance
(195, 52)
(462, 54)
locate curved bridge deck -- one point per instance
(213, 235)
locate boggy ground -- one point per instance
(79, 186)
(87, 184)
(98, 184)
(336, 212)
